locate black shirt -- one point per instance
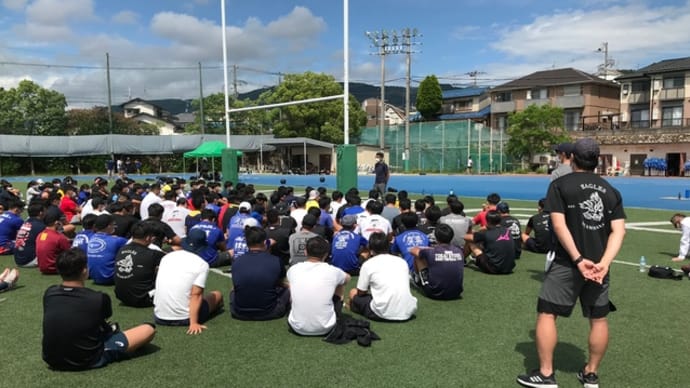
(513, 225)
(135, 274)
(74, 326)
(124, 224)
(540, 223)
(25, 243)
(281, 236)
(498, 247)
(162, 231)
(589, 204)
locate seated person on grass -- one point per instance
(540, 223)
(513, 225)
(102, 249)
(215, 254)
(179, 299)
(410, 238)
(260, 292)
(316, 290)
(25, 244)
(383, 288)
(76, 334)
(347, 246)
(10, 223)
(81, 240)
(136, 265)
(49, 244)
(493, 248)
(439, 269)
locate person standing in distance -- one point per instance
(382, 174)
(589, 222)
(564, 152)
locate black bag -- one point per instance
(657, 271)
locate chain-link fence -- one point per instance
(443, 147)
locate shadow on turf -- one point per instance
(567, 357)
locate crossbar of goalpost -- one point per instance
(279, 104)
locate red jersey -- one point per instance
(69, 207)
(49, 244)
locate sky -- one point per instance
(155, 46)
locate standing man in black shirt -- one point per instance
(382, 174)
(589, 222)
(76, 334)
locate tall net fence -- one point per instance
(443, 147)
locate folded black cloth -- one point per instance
(347, 329)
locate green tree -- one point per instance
(318, 120)
(429, 97)
(241, 123)
(31, 109)
(94, 121)
(534, 130)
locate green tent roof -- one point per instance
(210, 149)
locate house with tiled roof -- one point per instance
(589, 102)
(147, 112)
(466, 103)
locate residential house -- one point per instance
(589, 102)
(393, 114)
(146, 112)
(466, 103)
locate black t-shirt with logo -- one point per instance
(446, 270)
(135, 274)
(513, 225)
(498, 246)
(589, 204)
(540, 223)
(25, 243)
(74, 326)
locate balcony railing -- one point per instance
(672, 94)
(503, 106)
(638, 97)
(566, 102)
(672, 122)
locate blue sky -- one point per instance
(155, 45)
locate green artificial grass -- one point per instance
(483, 340)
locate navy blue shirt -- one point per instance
(255, 278)
(25, 245)
(446, 271)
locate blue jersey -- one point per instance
(409, 239)
(213, 236)
(81, 240)
(345, 249)
(100, 252)
(9, 226)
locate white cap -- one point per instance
(245, 205)
(251, 221)
(313, 194)
(39, 181)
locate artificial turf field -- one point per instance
(482, 340)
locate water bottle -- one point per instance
(643, 264)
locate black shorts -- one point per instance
(361, 304)
(204, 315)
(563, 285)
(532, 246)
(281, 308)
(484, 264)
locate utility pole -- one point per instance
(379, 39)
(608, 62)
(473, 74)
(408, 41)
(110, 106)
(201, 104)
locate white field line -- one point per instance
(221, 273)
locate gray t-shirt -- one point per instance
(460, 225)
(561, 170)
(298, 246)
(389, 212)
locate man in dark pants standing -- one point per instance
(382, 174)
(589, 222)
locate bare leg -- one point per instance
(546, 338)
(214, 300)
(598, 342)
(139, 336)
(353, 293)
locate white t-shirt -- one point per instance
(387, 279)
(373, 223)
(148, 200)
(298, 215)
(177, 273)
(175, 218)
(311, 289)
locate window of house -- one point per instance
(674, 82)
(639, 117)
(501, 123)
(462, 105)
(572, 90)
(672, 116)
(571, 120)
(505, 96)
(640, 86)
(537, 94)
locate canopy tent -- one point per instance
(209, 149)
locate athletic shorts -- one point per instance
(563, 285)
(204, 315)
(361, 304)
(531, 245)
(114, 349)
(484, 264)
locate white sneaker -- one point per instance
(12, 278)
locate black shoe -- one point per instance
(536, 380)
(588, 380)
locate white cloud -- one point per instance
(634, 32)
(126, 17)
(467, 33)
(55, 12)
(15, 5)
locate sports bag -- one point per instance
(657, 271)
